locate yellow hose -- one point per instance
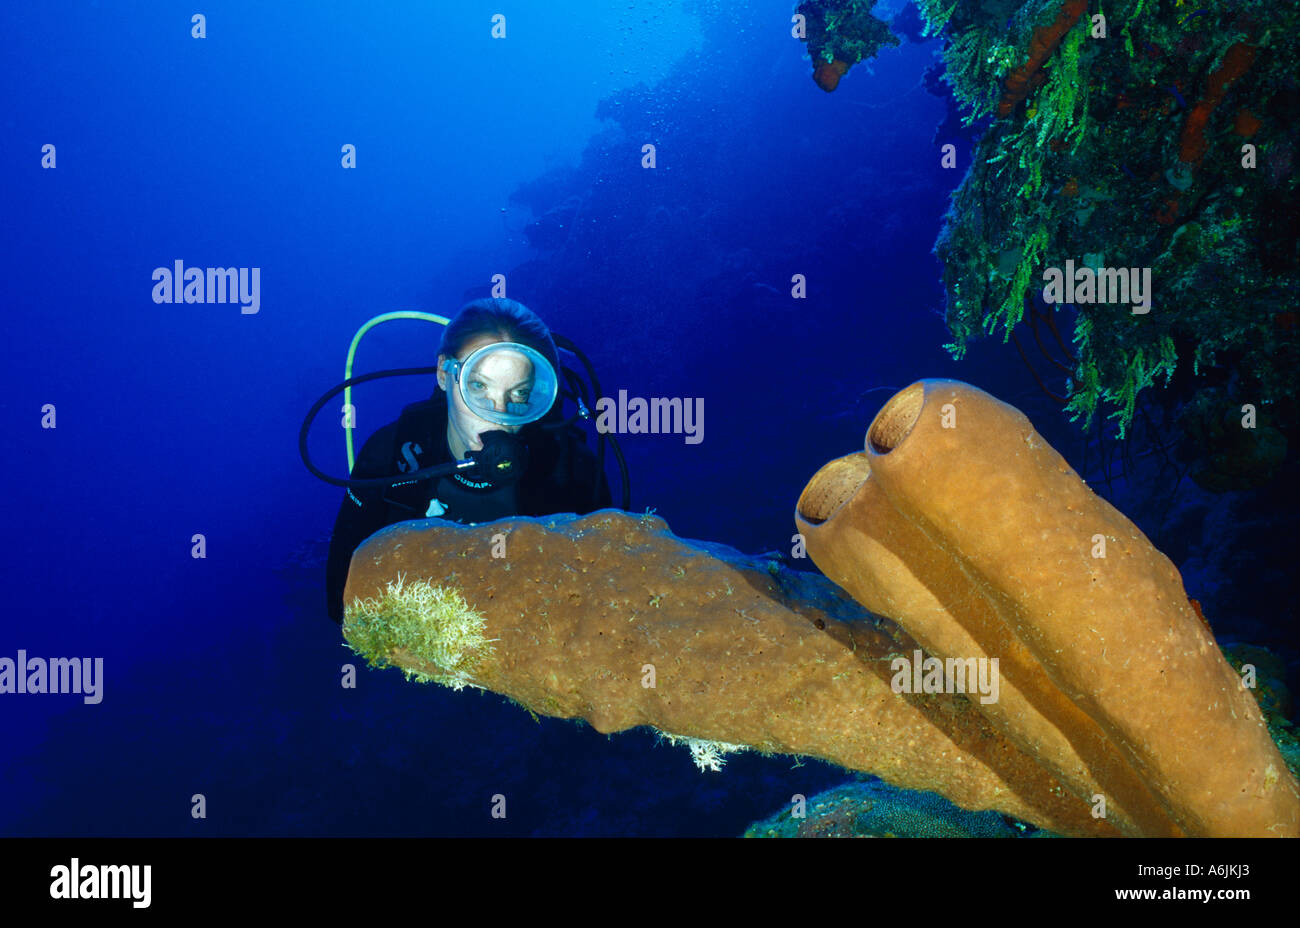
(352, 352)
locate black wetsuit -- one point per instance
(560, 477)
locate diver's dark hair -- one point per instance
(507, 319)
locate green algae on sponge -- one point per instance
(433, 623)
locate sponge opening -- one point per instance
(831, 487)
(894, 422)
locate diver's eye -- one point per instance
(521, 396)
(477, 386)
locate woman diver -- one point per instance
(495, 412)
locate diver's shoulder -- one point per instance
(421, 419)
(433, 407)
(380, 443)
(416, 421)
(571, 434)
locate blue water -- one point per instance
(474, 156)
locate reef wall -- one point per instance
(1131, 134)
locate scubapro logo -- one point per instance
(409, 461)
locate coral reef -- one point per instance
(1109, 675)
(1236, 62)
(839, 34)
(1221, 454)
(1041, 46)
(1118, 141)
(878, 810)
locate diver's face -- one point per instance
(501, 378)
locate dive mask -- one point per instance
(505, 382)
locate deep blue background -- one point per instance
(475, 157)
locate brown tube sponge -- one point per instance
(888, 564)
(612, 619)
(962, 524)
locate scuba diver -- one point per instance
(490, 443)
